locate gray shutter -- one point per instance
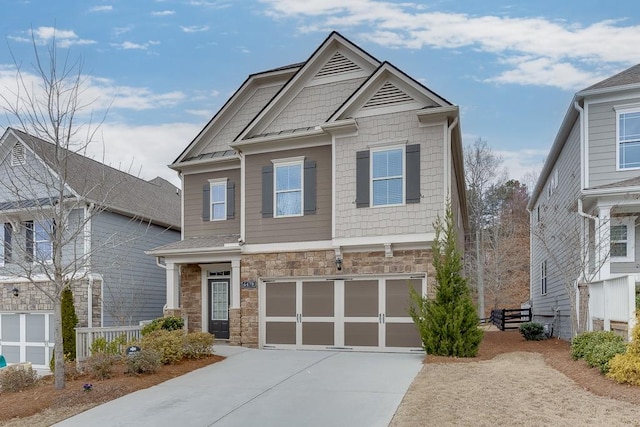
(231, 199)
(7, 241)
(310, 186)
(413, 173)
(28, 226)
(267, 191)
(206, 202)
(362, 179)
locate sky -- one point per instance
(155, 71)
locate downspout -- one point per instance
(583, 214)
(243, 181)
(90, 302)
(447, 159)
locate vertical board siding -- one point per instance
(293, 229)
(194, 224)
(134, 287)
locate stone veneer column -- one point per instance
(191, 295)
(235, 326)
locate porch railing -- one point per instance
(613, 300)
(86, 336)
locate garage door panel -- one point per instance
(10, 327)
(361, 334)
(397, 296)
(318, 299)
(280, 333)
(402, 335)
(11, 353)
(361, 298)
(318, 333)
(35, 327)
(281, 299)
(36, 355)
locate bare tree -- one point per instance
(53, 205)
(482, 168)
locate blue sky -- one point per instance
(165, 67)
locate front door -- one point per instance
(219, 308)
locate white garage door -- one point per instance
(27, 337)
(356, 314)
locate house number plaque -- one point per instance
(249, 284)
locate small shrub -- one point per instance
(625, 368)
(168, 323)
(603, 352)
(115, 347)
(168, 343)
(145, 361)
(584, 343)
(15, 378)
(198, 344)
(532, 331)
(100, 365)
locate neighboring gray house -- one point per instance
(584, 213)
(309, 201)
(115, 282)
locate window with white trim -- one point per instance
(42, 247)
(543, 277)
(288, 185)
(387, 176)
(622, 239)
(628, 139)
(218, 199)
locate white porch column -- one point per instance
(235, 283)
(603, 248)
(173, 286)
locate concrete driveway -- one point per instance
(269, 388)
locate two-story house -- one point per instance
(308, 205)
(585, 251)
(113, 218)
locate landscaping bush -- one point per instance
(198, 344)
(532, 331)
(16, 378)
(603, 352)
(69, 323)
(100, 365)
(114, 348)
(145, 361)
(168, 343)
(584, 343)
(625, 368)
(168, 323)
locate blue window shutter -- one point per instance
(206, 202)
(362, 179)
(310, 186)
(267, 191)
(28, 226)
(231, 199)
(413, 173)
(7, 241)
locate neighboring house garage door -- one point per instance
(356, 314)
(27, 337)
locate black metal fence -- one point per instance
(510, 318)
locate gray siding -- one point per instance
(296, 229)
(561, 228)
(194, 225)
(602, 143)
(134, 286)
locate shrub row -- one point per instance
(625, 368)
(168, 323)
(597, 348)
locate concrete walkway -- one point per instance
(269, 388)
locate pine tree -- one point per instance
(69, 322)
(448, 325)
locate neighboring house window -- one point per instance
(38, 237)
(17, 155)
(553, 182)
(5, 243)
(628, 139)
(622, 239)
(543, 277)
(289, 188)
(218, 200)
(538, 212)
(387, 177)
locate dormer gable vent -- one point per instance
(17, 155)
(388, 94)
(338, 64)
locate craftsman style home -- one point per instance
(114, 218)
(585, 247)
(308, 205)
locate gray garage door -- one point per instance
(27, 337)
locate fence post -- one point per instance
(502, 323)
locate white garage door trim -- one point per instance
(29, 341)
(286, 322)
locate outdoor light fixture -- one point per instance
(15, 291)
(339, 263)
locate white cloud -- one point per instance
(551, 46)
(201, 113)
(44, 35)
(103, 8)
(523, 164)
(215, 4)
(163, 13)
(194, 28)
(127, 45)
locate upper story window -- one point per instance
(622, 239)
(387, 176)
(218, 200)
(543, 277)
(288, 184)
(43, 249)
(628, 139)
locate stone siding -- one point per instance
(191, 296)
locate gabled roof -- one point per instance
(627, 77)
(156, 200)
